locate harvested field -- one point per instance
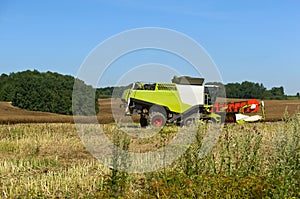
(275, 109)
(11, 114)
(110, 109)
(248, 161)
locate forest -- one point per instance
(45, 91)
(248, 90)
(52, 92)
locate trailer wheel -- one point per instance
(157, 119)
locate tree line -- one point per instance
(244, 90)
(47, 92)
(247, 90)
(53, 92)
(254, 90)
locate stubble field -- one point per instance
(49, 160)
(248, 161)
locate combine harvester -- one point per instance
(183, 102)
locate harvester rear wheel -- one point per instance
(157, 119)
(192, 119)
(211, 121)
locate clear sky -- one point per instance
(256, 40)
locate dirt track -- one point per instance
(275, 110)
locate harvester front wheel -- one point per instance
(157, 119)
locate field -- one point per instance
(275, 110)
(11, 114)
(250, 161)
(49, 160)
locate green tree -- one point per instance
(49, 92)
(278, 93)
(84, 102)
(233, 90)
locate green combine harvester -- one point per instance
(184, 101)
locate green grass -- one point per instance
(259, 160)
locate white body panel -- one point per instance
(247, 118)
(191, 94)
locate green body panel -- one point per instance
(125, 95)
(166, 98)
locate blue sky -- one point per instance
(256, 41)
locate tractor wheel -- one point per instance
(157, 119)
(190, 120)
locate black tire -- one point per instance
(157, 108)
(157, 119)
(190, 120)
(211, 121)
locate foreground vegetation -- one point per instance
(249, 161)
